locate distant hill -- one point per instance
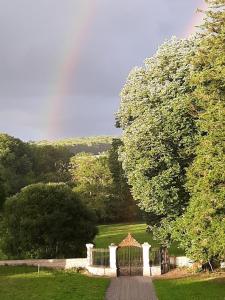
(94, 145)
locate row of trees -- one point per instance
(92, 144)
(99, 179)
(101, 183)
(51, 199)
(172, 114)
(23, 163)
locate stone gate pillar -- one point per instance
(146, 264)
(112, 259)
(89, 254)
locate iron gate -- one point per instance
(129, 257)
(129, 261)
(100, 257)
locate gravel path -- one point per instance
(131, 288)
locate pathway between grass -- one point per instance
(131, 288)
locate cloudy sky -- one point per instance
(63, 63)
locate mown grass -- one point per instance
(192, 288)
(115, 233)
(24, 283)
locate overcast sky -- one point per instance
(64, 62)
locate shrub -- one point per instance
(47, 221)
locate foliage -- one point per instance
(201, 231)
(25, 163)
(102, 185)
(2, 193)
(91, 140)
(207, 287)
(50, 163)
(93, 181)
(24, 283)
(159, 131)
(93, 145)
(124, 207)
(47, 221)
(15, 164)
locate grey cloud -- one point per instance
(37, 37)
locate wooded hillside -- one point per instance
(93, 145)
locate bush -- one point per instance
(46, 221)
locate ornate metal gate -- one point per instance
(129, 257)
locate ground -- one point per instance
(202, 286)
(24, 283)
(115, 233)
(131, 288)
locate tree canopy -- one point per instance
(46, 221)
(102, 185)
(201, 230)
(159, 131)
(123, 205)
(172, 114)
(50, 163)
(92, 180)
(15, 164)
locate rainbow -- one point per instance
(66, 69)
(68, 64)
(196, 20)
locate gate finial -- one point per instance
(129, 241)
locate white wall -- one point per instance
(181, 261)
(49, 263)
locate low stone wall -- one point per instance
(180, 261)
(76, 263)
(155, 270)
(183, 261)
(48, 263)
(101, 271)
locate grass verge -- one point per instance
(191, 288)
(24, 283)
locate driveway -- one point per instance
(131, 288)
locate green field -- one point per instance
(24, 283)
(117, 232)
(192, 288)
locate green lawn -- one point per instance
(115, 233)
(192, 288)
(24, 283)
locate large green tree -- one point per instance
(159, 130)
(15, 164)
(101, 182)
(46, 221)
(201, 231)
(124, 208)
(2, 192)
(93, 181)
(50, 163)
